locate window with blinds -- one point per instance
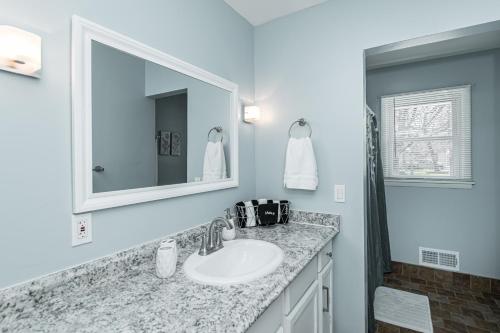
(427, 135)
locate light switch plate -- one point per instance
(339, 193)
(81, 229)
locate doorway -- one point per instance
(171, 129)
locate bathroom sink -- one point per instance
(239, 261)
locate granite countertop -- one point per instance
(122, 293)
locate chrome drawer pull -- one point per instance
(327, 309)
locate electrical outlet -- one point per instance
(81, 229)
(339, 193)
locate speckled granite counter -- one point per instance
(121, 293)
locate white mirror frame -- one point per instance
(84, 200)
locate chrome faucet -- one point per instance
(213, 242)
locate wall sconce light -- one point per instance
(252, 114)
(20, 51)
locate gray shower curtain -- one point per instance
(378, 249)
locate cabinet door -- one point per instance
(304, 317)
(325, 299)
(271, 320)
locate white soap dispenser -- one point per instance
(166, 258)
(229, 234)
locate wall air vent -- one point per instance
(440, 259)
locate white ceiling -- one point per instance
(258, 12)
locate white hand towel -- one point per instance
(262, 201)
(214, 163)
(300, 165)
(279, 209)
(250, 211)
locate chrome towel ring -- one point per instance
(301, 122)
(217, 129)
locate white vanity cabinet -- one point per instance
(325, 299)
(325, 281)
(304, 316)
(306, 304)
(271, 321)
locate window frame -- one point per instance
(461, 143)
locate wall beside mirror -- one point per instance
(146, 126)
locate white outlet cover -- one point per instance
(81, 229)
(339, 193)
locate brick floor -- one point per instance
(460, 303)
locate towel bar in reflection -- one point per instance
(217, 129)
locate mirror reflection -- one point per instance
(153, 126)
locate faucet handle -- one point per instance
(203, 247)
(218, 238)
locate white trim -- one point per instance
(429, 183)
(84, 200)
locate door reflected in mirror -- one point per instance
(153, 126)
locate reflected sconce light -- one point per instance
(20, 51)
(252, 114)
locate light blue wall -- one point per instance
(123, 122)
(35, 127)
(208, 106)
(453, 219)
(311, 65)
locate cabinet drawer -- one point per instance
(271, 320)
(300, 284)
(325, 256)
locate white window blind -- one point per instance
(427, 135)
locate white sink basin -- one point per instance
(239, 261)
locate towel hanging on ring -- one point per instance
(300, 162)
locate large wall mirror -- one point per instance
(146, 125)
